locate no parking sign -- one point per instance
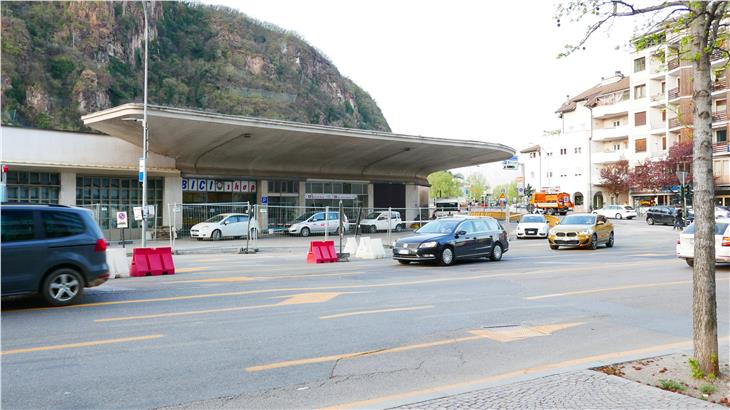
(122, 221)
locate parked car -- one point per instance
(315, 222)
(224, 226)
(722, 212)
(686, 248)
(532, 226)
(617, 212)
(661, 215)
(378, 221)
(447, 239)
(53, 250)
(582, 230)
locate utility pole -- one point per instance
(145, 133)
(590, 164)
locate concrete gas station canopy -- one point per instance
(206, 143)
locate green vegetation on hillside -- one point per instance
(61, 60)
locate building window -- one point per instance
(721, 137)
(721, 105)
(578, 150)
(640, 64)
(640, 91)
(107, 195)
(283, 187)
(532, 174)
(640, 118)
(356, 196)
(533, 155)
(33, 187)
(563, 151)
(549, 154)
(616, 123)
(640, 145)
(664, 115)
(549, 174)
(617, 147)
(664, 143)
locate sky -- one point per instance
(477, 70)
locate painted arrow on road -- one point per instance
(513, 333)
(299, 299)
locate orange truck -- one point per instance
(552, 203)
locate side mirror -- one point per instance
(460, 233)
(225, 222)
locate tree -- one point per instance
(528, 191)
(444, 185)
(509, 191)
(615, 177)
(477, 184)
(701, 28)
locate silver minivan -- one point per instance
(315, 222)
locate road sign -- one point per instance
(501, 196)
(264, 200)
(521, 191)
(141, 169)
(122, 220)
(137, 213)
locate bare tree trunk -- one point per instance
(704, 307)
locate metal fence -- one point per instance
(185, 216)
(106, 217)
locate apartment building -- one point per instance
(633, 118)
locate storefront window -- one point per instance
(106, 196)
(322, 194)
(33, 187)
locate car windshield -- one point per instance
(629, 208)
(578, 220)
(720, 228)
(438, 227)
(373, 215)
(302, 218)
(217, 218)
(532, 218)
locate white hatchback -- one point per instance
(532, 226)
(617, 212)
(686, 242)
(224, 226)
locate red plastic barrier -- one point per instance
(151, 262)
(321, 252)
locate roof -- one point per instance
(208, 143)
(530, 149)
(590, 95)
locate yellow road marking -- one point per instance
(300, 289)
(291, 300)
(599, 290)
(78, 345)
(476, 335)
(192, 269)
(369, 312)
(518, 373)
(250, 278)
(512, 333)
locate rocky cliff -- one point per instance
(61, 60)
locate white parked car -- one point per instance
(317, 222)
(722, 212)
(378, 221)
(686, 242)
(532, 226)
(224, 226)
(617, 212)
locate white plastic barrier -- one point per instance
(376, 246)
(118, 262)
(351, 246)
(363, 249)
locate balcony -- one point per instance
(722, 180)
(719, 84)
(675, 122)
(674, 93)
(672, 64)
(720, 148)
(719, 116)
(717, 55)
(606, 157)
(611, 134)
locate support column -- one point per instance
(172, 195)
(67, 194)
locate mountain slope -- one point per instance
(61, 60)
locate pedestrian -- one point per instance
(678, 220)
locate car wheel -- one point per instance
(554, 247)
(594, 241)
(63, 287)
(402, 262)
(373, 229)
(496, 252)
(304, 232)
(609, 244)
(619, 216)
(690, 262)
(650, 220)
(216, 235)
(398, 228)
(447, 256)
(551, 211)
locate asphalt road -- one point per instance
(270, 331)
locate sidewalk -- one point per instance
(573, 390)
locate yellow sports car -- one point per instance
(581, 230)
